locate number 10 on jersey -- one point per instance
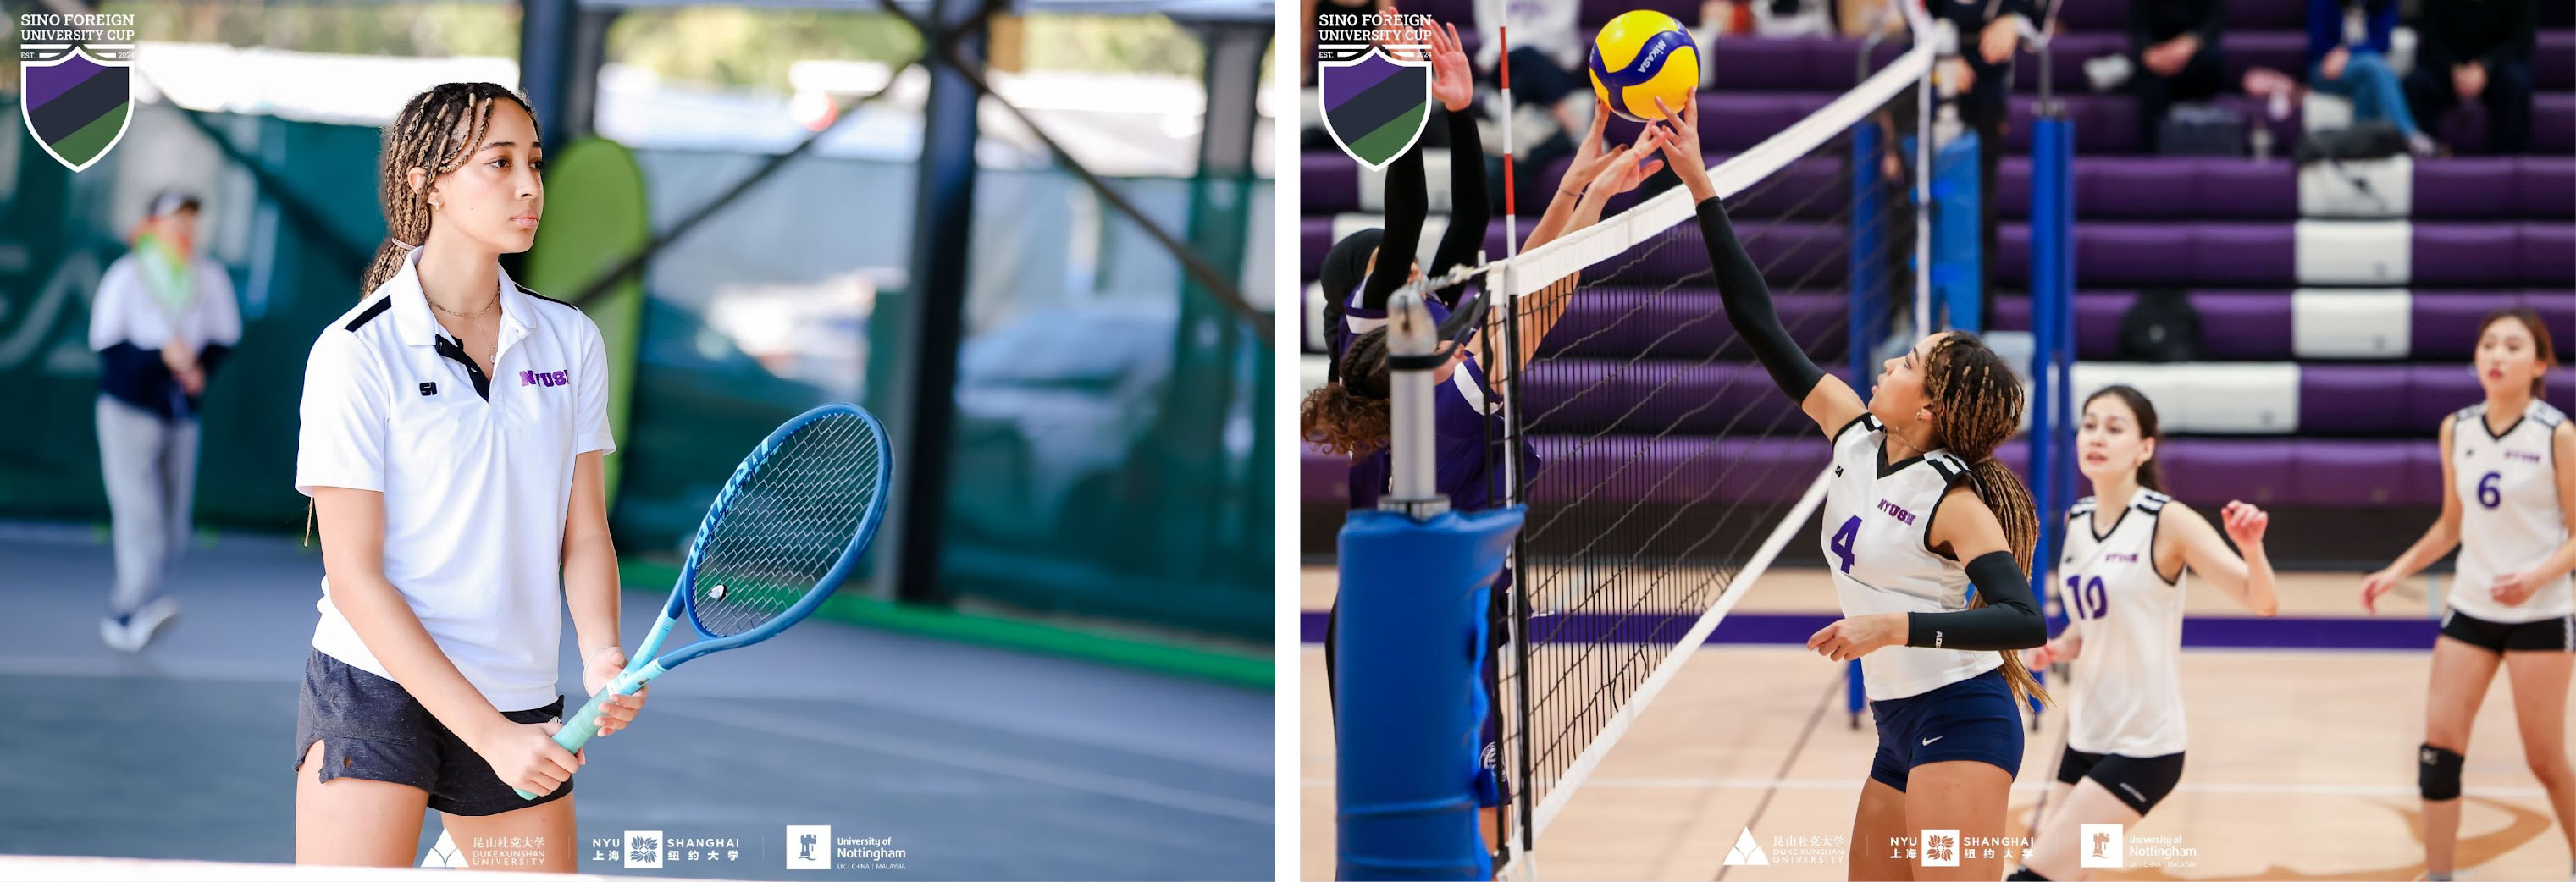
(2091, 599)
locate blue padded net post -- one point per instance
(1413, 596)
(2052, 295)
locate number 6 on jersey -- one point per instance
(782, 534)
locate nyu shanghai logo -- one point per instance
(1373, 76)
(533, 378)
(76, 83)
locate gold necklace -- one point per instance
(496, 301)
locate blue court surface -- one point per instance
(975, 763)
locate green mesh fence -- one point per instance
(1112, 459)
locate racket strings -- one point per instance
(787, 523)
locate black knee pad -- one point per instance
(2438, 772)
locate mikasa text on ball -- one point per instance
(1642, 56)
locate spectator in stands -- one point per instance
(2176, 47)
(2348, 56)
(1551, 87)
(1985, 83)
(2477, 50)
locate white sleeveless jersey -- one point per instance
(1876, 525)
(2128, 678)
(2509, 514)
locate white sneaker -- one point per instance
(146, 623)
(113, 631)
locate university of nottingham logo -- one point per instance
(76, 83)
(1375, 98)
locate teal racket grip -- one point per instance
(584, 724)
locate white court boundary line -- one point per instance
(1540, 267)
(1565, 786)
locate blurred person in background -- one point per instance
(2477, 50)
(1989, 31)
(1551, 83)
(163, 320)
(2348, 56)
(2175, 43)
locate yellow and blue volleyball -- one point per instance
(1641, 56)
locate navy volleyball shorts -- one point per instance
(371, 729)
(1973, 719)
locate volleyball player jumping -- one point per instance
(2124, 736)
(1917, 511)
(1350, 414)
(454, 427)
(2514, 456)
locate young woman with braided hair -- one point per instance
(1917, 512)
(453, 431)
(2124, 723)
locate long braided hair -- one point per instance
(1977, 404)
(436, 133)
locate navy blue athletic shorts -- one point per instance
(1973, 719)
(371, 729)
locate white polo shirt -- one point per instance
(126, 311)
(475, 490)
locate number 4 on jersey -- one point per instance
(1843, 540)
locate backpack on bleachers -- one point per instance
(2161, 327)
(2201, 129)
(2370, 139)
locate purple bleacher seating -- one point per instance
(2222, 188)
(1589, 396)
(2148, 187)
(1328, 182)
(2553, 60)
(2242, 15)
(2260, 325)
(2107, 187)
(2282, 50)
(2553, 125)
(2446, 254)
(2203, 472)
(1792, 63)
(1686, 323)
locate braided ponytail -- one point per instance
(1979, 407)
(435, 133)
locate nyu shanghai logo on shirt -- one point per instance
(533, 378)
(76, 83)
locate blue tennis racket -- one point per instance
(782, 534)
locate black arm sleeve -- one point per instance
(1748, 306)
(2009, 620)
(1407, 204)
(1469, 208)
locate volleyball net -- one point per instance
(1654, 469)
(1663, 470)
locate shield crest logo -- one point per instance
(1375, 103)
(76, 103)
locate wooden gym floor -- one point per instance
(2300, 767)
